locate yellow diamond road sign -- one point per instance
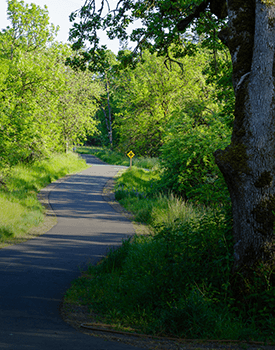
(131, 154)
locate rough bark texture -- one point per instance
(248, 163)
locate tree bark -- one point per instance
(248, 163)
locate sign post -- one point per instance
(131, 154)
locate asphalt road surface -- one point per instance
(35, 275)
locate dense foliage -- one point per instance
(187, 159)
(179, 111)
(45, 105)
(143, 100)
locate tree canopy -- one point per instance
(160, 25)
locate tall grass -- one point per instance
(20, 208)
(172, 282)
(136, 191)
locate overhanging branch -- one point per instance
(217, 7)
(184, 23)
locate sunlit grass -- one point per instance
(135, 189)
(169, 208)
(20, 208)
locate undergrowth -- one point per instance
(20, 208)
(177, 280)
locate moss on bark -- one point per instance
(236, 156)
(268, 2)
(264, 179)
(264, 215)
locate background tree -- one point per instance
(29, 76)
(104, 70)
(77, 106)
(105, 74)
(150, 95)
(44, 104)
(145, 99)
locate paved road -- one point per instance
(35, 275)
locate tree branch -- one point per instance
(184, 23)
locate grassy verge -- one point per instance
(20, 208)
(116, 158)
(136, 191)
(178, 280)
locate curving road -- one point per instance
(35, 275)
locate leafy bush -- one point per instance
(188, 161)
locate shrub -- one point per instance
(188, 162)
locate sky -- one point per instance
(59, 12)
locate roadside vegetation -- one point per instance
(177, 280)
(48, 106)
(20, 208)
(118, 158)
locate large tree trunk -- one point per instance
(248, 163)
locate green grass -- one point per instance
(20, 208)
(117, 158)
(136, 191)
(178, 279)
(159, 284)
